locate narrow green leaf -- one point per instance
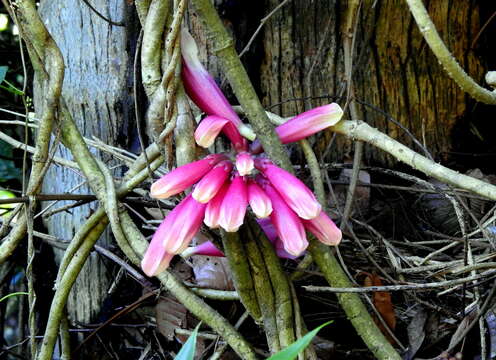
(11, 88)
(3, 72)
(13, 294)
(187, 352)
(292, 351)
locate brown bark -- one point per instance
(394, 68)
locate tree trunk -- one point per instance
(96, 89)
(393, 68)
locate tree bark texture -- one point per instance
(393, 68)
(97, 90)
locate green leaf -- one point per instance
(13, 294)
(11, 88)
(292, 351)
(3, 72)
(187, 352)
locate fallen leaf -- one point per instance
(212, 272)
(170, 315)
(383, 304)
(466, 321)
(416, 332)
(491, 325)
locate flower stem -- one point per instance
(263, 289)
(240, 82)
(243, 282)
(280, 286)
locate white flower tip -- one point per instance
(204, 142)
(153, 265)
(210, 223)
(335, 113)
(261, 209)
(247, 132)
(310, 213)
(160, 191)
(201, 197)
(263, 215)
(230, 228)
(189, 50)
(244, 164)
(298, 251)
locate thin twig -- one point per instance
(443, 55)
(260, 26)
(419, 287)
(100, 15)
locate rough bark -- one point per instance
(96, 90)
(394, 69)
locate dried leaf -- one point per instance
(324, 348)
(491, 325)
(212, 272)
(182, 270)
(155, 213)
(416, 332)
(462, 327)
(170, 315)
(383, 304)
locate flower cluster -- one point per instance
(226, 184)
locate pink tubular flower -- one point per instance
(205, 93)
(211, 183)
(156, 259)
(304, 125)
(244, 163)
(233, 207)
(212, 211)
(259, 201)
(206, 248)
(183, 177)
(288, 226)
(292, 190)
(309, 123)
(324, 229)
(271, 233)
(208, 129)
(180, 225)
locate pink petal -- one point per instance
(208, 249)
(183, 177)
(205, 93)
(324, 229)
(271, 233)
(268, 228)
(244, 163)
(208, 129)
(180, 225)
(233, 207)
(289, 228)
(292, 190)
(153, 264)
(156, 258)
(309, 123)
(259, 201)
(212, 212)
(211, 183)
